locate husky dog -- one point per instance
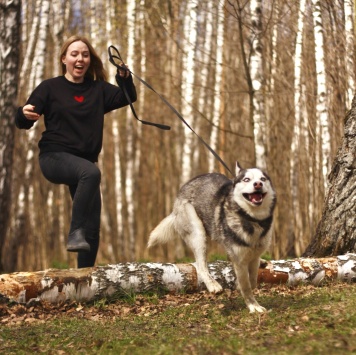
(238, 213)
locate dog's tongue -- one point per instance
(256, 197)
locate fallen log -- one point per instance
(81, 285)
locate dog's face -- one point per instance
(253, 191)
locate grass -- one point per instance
(301, 320)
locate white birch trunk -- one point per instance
(133, 34)
(188, 76)
(59, 17)
(94, 23)
(350, 50)
(322, 124)
(31, 44)
(256, 69)
(132, 10)
(40, 52)
(10, 39)
(298, 132)
(36, 76)
(274, 41)
(218, 82)
(116, 140)
(88, 284)
(40, 26)
(117, 234)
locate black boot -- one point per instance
(77, 242)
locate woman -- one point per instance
(73, 106)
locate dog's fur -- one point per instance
(237, 213)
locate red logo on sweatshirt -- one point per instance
(79, 98)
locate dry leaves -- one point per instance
(139, 305)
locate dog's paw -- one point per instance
(256, 308)
(214, 287)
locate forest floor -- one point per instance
(300, 320)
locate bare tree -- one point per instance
(9, 63)
(336, 232)
(257, 81)
(322, 123)
(300, 133)
(350, 49)
(190, 71)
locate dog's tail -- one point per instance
(164, 232)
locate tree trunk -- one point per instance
(336, 232)
(9, 63)
(104, 281)
(350, 61)
(257, 77)
(323, 142)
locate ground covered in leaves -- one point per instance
(303, 319)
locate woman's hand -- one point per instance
(30, 114)
(124, 73)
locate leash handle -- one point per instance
(122, 84)
(123, 67)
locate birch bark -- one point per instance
(299, 132)
(188, 75)
(218, 83)
(9, 63)
(81, 285)
(256, 68)
(31, 75)
(36, 76)
(133, 12)
(323, 147)
(350, 49)
(336, 232)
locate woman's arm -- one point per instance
(115, 97)
(26, 117)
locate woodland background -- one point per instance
(263, 82)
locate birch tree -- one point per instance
(26, 196)
(256, 69)
(322, 121)
(114, 249)
(239, 12)
(300, 133)
(350, 50)
(336, 231)
(130, 151)
(189, 72)
(9, 63)
(218, 81)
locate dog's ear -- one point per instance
(238, 168)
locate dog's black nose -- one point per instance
(258, 185)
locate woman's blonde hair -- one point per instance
(96, 69)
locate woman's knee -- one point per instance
(92, 173)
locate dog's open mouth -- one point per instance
(256, 197)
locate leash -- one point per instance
(121, 82)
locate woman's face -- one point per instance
(77, 61)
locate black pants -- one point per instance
(83, 179)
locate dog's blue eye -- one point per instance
(246, 179)
(263, 179)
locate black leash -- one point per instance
(122, 66)
(121, 82)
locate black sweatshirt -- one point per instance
(74, 113)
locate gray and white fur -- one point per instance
(237, 212)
